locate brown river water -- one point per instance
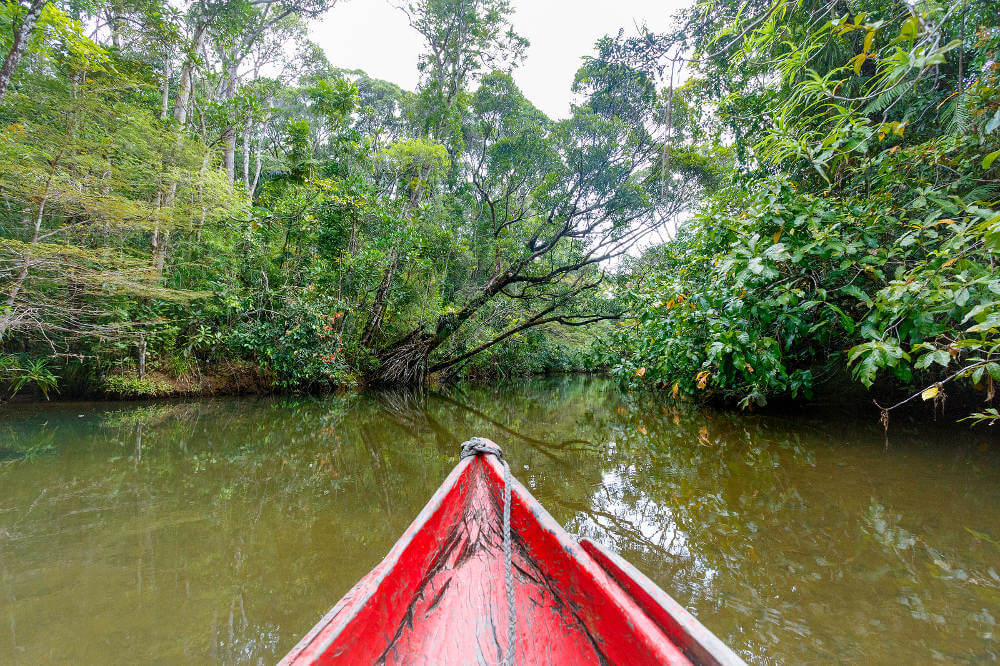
(221, 530)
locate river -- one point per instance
(221, 530)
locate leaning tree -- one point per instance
(549, 205)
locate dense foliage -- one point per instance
(195, 199)
(858, 229)
(194, 191)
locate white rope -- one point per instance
(479, 446)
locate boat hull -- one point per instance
(438, 597)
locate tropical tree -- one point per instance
(858, 228)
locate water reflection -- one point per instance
(221, 530)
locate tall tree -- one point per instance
(22, 33)
(238, 29)
(463, 39)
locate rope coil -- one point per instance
(478, 446)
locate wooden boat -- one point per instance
(440, 595)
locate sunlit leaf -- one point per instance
(989, 159)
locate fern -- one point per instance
(962, 119)
(883, 101)
(986, 194)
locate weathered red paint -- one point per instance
(438, 596)
(682, 628)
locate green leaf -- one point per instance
(856, 293)
(940, 356)
(994, 122)
(989, 159)
(845, 321)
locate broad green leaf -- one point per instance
(993, 124)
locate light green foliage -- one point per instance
(21, 371)
(419, 162)
(123, 386)
(168, 210)
(56, 36)
(87, 165)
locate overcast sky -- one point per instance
(374, 36)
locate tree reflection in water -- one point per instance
(221, 530)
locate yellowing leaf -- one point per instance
(777, 234)
(858, 61)
(869, 38)
(909, 28)
(929, 394)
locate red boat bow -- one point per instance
(438, 597)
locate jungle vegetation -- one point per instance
(187, 188)
(855, 236)
(770, 197)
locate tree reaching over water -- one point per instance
(193, 185)
(550, 203)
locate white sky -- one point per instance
(375, 36)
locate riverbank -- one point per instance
(240, 378)
(225, 378)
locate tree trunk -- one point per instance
(246, 157)
(116, 35)
(187, 74)
(381, 297)
(204, 168)
(21, 36)
(158, 245)
(229, 133)
(165, 102)
(142, 355)
(183, 96)
(256, 170)
(158, 241)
